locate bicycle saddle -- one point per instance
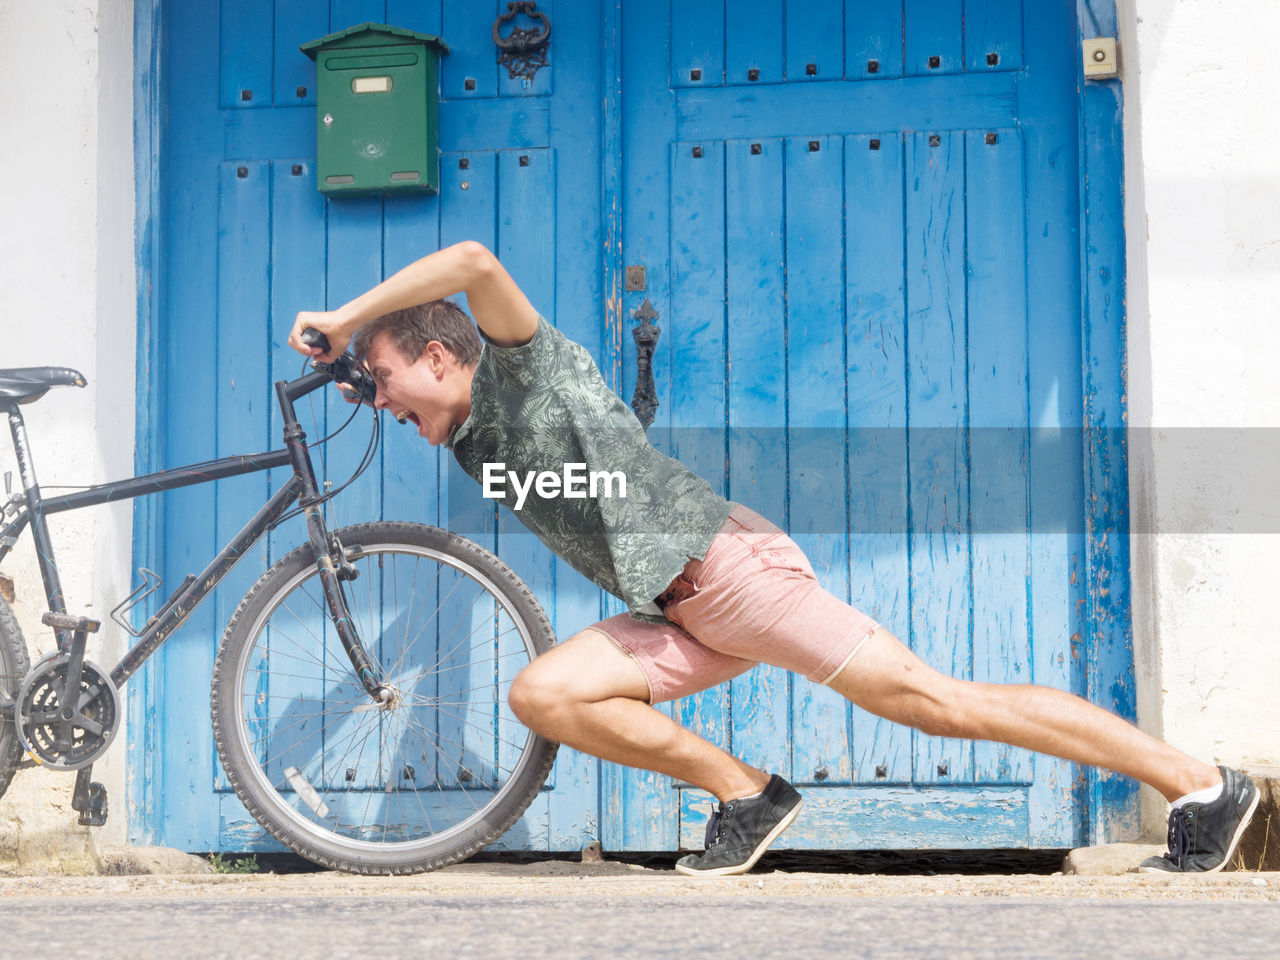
(25, 384)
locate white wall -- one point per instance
(67, 205)
(1203, 222)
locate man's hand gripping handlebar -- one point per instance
(347, 372)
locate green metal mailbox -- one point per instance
(377, 100)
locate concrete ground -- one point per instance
(609, 909)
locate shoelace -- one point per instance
(715, 826)
(1179, 837)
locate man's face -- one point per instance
(429, 393)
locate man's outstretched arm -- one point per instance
(498, 305)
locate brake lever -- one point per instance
(352, 379)
(355, 384)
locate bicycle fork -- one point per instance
(330, 559)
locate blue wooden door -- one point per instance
(859, 228)
(247, 241)
(865, 263)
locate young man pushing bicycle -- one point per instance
(711, 586)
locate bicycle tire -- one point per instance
(282, 710)
(14, 665)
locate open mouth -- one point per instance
(407, 416)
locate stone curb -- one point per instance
(143, 861)
(1109, 859)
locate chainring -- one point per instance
(59, 738)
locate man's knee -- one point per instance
(534, 695)
(550, 694)
(549, 687)
(941, 711)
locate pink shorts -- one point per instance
(752, 598)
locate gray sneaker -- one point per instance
(1203, 836)
(741, 830)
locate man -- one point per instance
(712, 587)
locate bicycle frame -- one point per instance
(301, 488)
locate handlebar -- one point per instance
(346, 371)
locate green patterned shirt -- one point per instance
(543, 405)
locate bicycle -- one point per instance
(358, 694)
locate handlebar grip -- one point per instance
(314, 338)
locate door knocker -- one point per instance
(524, 50)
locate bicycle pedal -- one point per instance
(65, 621)
(95, 815)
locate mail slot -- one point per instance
(377, 107)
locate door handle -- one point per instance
(645, 399)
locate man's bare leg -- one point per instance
(887, 679)
(588, 694)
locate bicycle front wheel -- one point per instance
(13, 668)
(429, 777)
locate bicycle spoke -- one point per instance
(448, 651)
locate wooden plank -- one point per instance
(993, 28)
(468, 211)
(424, 16)
(244, 61)
(526, 246)
(297, 262)
(349, 13)
(236, 830)
(754, 247)
(354, 264)
(638, 808)
(695, 357)
(936, 373)
(1114, 798)
(933, 37)
(296, 24)
(410, 467)
(242, 395)
(814, 35)
(888, 818)
(872, 39)
(827, 107)
(297, 283)
(187, 328)
(264, 134)
(464, 125)
(142, 746)
(877, 418)
(389, 600)
(574, 818)
(476, 60)
(998, 506)
(697, 44)
(753, 41)
(933, 29)
(1055, 401)
(469, 755)
(817, 488)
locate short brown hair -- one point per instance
(412, 328)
